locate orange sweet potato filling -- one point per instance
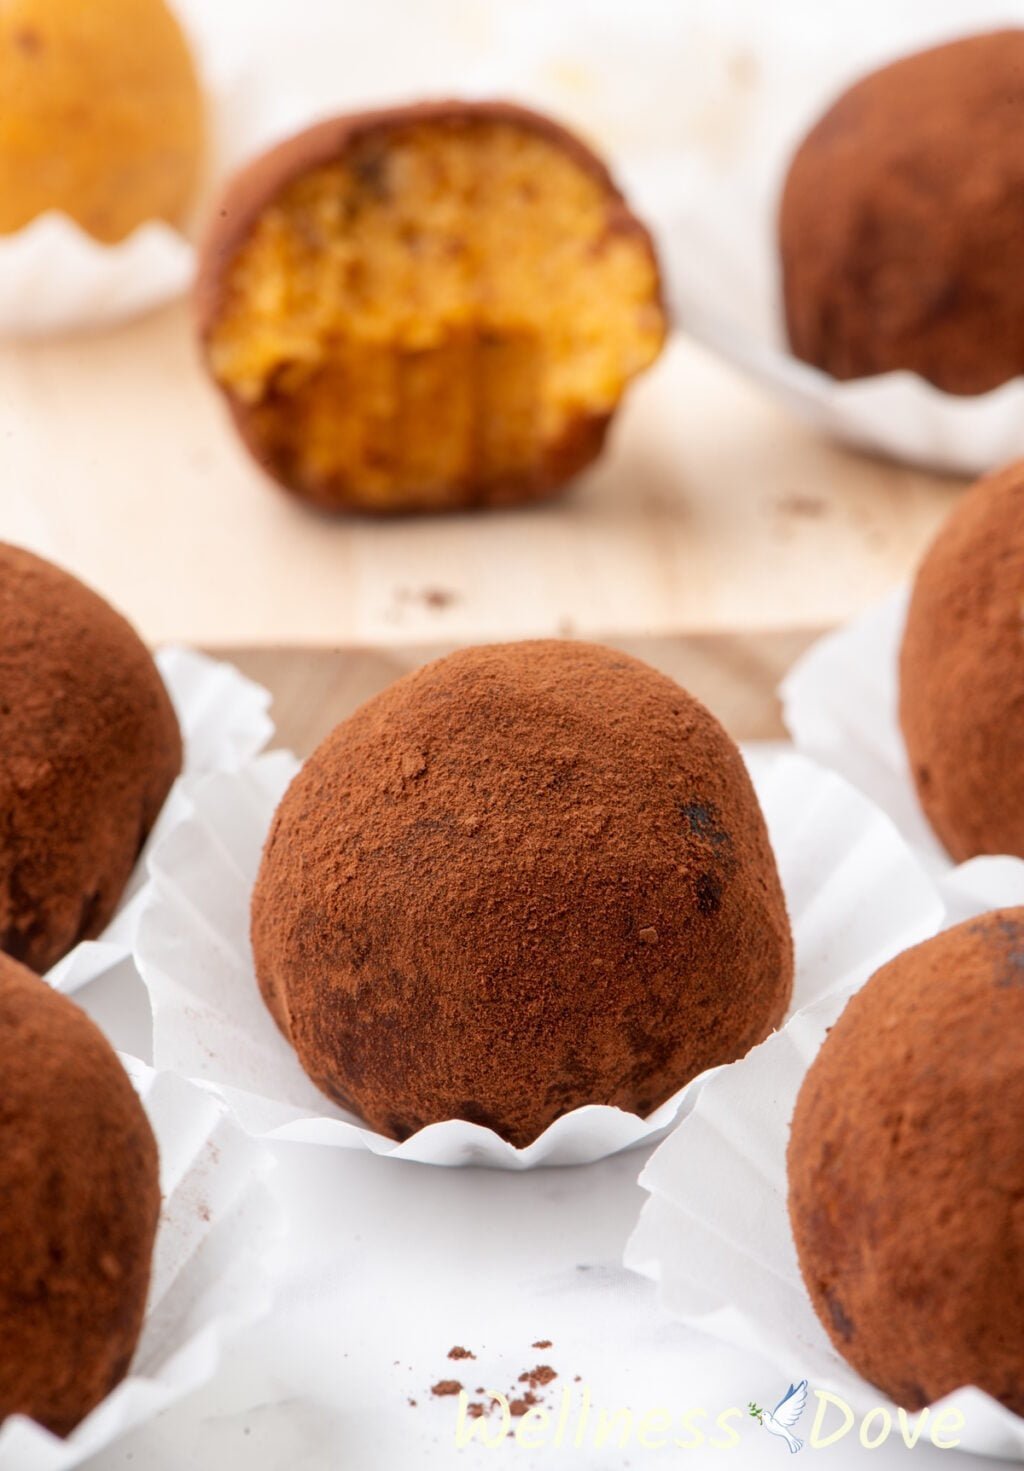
(427, 319)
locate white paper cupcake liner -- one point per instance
(217, 1222)
(855, 895)
(715, 1232)
(840, 705)
(224, 722)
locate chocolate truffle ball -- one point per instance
(101, 114)
(426, 308)
(962, 673)
(906, 1170)
(79, 1201)
(524, 878)
(89, 747)
(902, 218)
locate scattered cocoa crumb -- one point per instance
(542, 1343)
(460, 1353)
(446, 1386)
(537, 1378)
(413, 1403)
(475, 1411)
(438, 597)
(801, 505)
(518, 1407)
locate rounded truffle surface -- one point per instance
(79, 1201)
(525, 878)
(962, 672)
(100, 114)
(901, 219)
(89, 747)
(426, 308)
(906, 1170)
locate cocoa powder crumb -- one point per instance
(445, 1387)
(460, 1353)
(537, 1378)
(542, 1343)
(518, 1407)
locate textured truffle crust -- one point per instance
(906, 1170)
(89, 747)
(79, 1201)
(524, 878)
(902, 218)
(962, 673)
(427, 308)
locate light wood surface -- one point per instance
(736, 676)
(713, 513)
(716, 538)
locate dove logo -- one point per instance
(785, 1415)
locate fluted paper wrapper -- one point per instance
(715, 1232)
(217, 1222)
(224, 722)
(840, 704)
(854, 892)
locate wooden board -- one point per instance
(735, 676)
(714, 513)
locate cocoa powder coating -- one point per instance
(906, 1170)
(962, 673)
(79, 1201)
(449, 920)
(902, 217)
(89, 747)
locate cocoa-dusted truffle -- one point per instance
(79, 1201)
(906, 1170)
(524, 878)
(902, 218)
(429, 307)
(89, 747)
(962, 672)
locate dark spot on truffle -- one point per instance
(378, 916)
(709, 894)
(837, 1313)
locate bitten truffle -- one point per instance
(432, 307)
(962, 673)
(524, 878)
(101, 114)
(906, 1170)
(902, 217)
(89, 747)
(79, 1201)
